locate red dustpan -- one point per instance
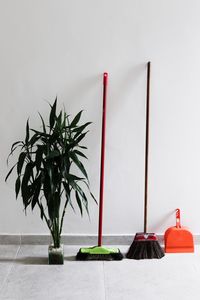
(178, 239)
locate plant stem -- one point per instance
(63, 214)
(45, 217)
(56, 233)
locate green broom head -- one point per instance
(145, 246)
(99, 253)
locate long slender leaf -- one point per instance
(78, 163)
(90, 191)
(76, 119)
(27, 132)
(16, 143)
(94, 198)
(26, 188)
(17, 186)
(38, 156)
(53, 114)
(38, 184)
(41, 211)
(13, 150)
(10, 172)
(81, 128)
(20, 162)
(34, 139)
(43, 124)
(79, 202)
(42, 134)
(80, 153)
(71, 177)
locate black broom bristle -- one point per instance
(109, 256)
(145, 246)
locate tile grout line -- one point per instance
(11, 267)
(104, 280)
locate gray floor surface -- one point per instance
(25, 274)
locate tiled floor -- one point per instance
(25, 274)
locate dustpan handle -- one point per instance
(178, 217)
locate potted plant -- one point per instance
(44, 172)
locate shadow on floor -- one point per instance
(70, 258)
(30, 260)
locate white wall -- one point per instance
(62, 47)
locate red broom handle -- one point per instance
(147, 146)
(103, 136)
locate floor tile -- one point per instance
(174, 276)
(7, 256)
(33, 278)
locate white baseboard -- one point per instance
(38, 239)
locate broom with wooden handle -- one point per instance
(145, 245)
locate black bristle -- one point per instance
(145, 250)
(108, 257)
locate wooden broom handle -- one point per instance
(147, 146)
(103, 137)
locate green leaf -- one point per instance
(81, 128)
(54, 206)
(81, 137)
(67, 193)
(20, 163)
(78, 163)
(17, 186)
(13, 148)
(27, 132)
(57, 201)
(79, 202)
(34, 139)
(38, 184)
(26, 187)
(93, 198)
(41, 211)
(82, 194)
(53, 114)
(76, 119)
(67, 189)
(40, 133)
(72, 206)
(85, 202)
(46, 187)
(38, 156)
(26, 197)
(16, 143)
(59, 120)
(43, 124)
(9, 172)
(71, 177)
(80, 153)
(53, 154)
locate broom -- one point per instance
(99, 252)
(145, 245)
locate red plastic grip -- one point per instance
(178, 218)
(105, 78)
